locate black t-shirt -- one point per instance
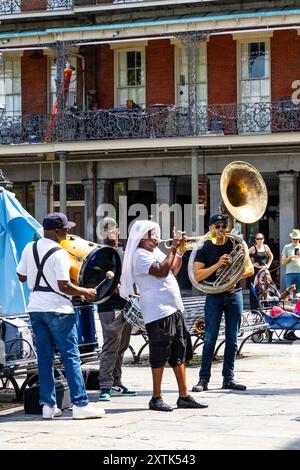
(210, 254)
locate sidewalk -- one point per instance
(266, 416)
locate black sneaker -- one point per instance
(158, 404)
(290, 336)
(201, 386)
(189, 402)
(232, 385)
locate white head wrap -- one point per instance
(137, 232)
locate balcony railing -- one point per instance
(21, 6)
(154, 122)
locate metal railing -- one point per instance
(21, 6)
(152, 122)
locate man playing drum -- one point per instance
(161, 306)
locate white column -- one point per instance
(88, 210)
(164, 200)
(214, 194)
(41, 199)
(194, 188)
(62, 182)
(287, 211)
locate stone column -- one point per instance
(88, 210)
(214, 193)
(62, 182)
(41, 199)
(287, 211)
(164, 200)
(194, 188)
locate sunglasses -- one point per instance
(220, 226)
(259, 239)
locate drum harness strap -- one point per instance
(40, 274)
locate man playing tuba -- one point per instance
(208, 260)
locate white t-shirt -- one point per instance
(56, 268)
(160, 296)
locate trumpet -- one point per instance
(191, 243)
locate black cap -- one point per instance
(218, 218)
(57, 220)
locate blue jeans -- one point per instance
(293, 278)
(58, 330)
(232, 306)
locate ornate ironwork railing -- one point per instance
(153, 122)
(17, 6)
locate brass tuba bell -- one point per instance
(243, 192)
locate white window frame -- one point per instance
(248, 40)
(3, 97)
(178, 47)
(116, 72)
(258, 39)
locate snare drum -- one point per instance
(132, 313)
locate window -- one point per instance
(131, 77)
(24, 192)
(10, 87)
(254, 87)
(72, 94)
(183, 77)
(255, 72)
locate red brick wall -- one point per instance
(105, 76)
(221, 70)
(285, 64)
(160, 72)
(33, 5)
(34, 84)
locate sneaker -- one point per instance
(104, 394)
(290, 336)
(189, 402)
(50, 412)
(157, 404)
(87, 411)
(232, 385)
(122, 390)
(201, 386)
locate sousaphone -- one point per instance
(244, 195)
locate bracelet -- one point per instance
(178, 254)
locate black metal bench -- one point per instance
(252, 325)
(22, 371)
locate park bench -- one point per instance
(252, 326)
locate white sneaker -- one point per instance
(50, 412)
(87, 411)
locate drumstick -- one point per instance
(108, 275)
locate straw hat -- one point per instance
(295, 233)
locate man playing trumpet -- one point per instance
(161, 305)
(210, 258)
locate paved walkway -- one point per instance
(266, 416)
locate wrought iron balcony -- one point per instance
(19, 6)
(154, 122)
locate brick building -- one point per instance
(211, 82)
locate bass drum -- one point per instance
(89, 265)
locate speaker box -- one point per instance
(32, 397)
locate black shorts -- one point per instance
(169, 340)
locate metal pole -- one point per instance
(194, 177)
(63, 183)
